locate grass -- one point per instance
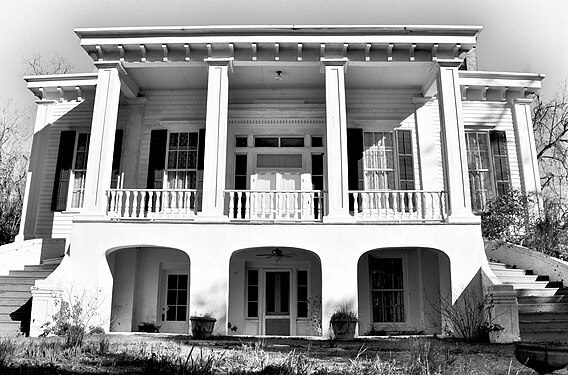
(157, 354)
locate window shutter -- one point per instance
(500, 161)
(354, 162)
(405, 160)
(63, 170)
(157, 162)
(116, 158)
(201, 149)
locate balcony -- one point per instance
(278, 206)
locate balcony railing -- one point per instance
(398, 205)
(152, 203)
(271, 205)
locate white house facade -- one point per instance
(266, 174)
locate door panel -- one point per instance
(277, 303)
(174, 298)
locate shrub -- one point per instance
(148, 327)
(344, 312)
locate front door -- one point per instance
(174, 295)
(277, 303)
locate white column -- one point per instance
(132, 137)
(101, 144)
(215, 159)
(522, 117)
(453, 143)
(336, 141)
(425, 137)
(35, 171)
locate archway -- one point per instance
(275, 290)
(150, 285)
(400, 290)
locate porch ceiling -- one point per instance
(300, 76)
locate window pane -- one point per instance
(172, 160)
(181, 313)
(183, 141)
(173, 141)
(241, 142)
(302, 277)
(302, 309)
(317, 141)
(192, 160)
(291, 142)
(266, 142)
(182, 160)
(241, 165)
(317, 164)
(252, 309)
(279, 161)
(192, 141)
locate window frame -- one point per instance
(74, 170)
(187, 130)
(396, 154)
(491, 170)
(404, 290)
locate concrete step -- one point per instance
(535, 308)
(527, 300)
(13, 287)
(544, 336)
(41, 267)
(8, 280)
(500, 265)
(510, 272)
(15, 294)
(531, 285)
(519, 279)
(35, 274)
(543, 317)
(545, 292)
(12, 301)
(8, 309)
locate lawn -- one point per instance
(162, 354)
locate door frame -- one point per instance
(165, 270)
(292, 297)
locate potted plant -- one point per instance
(202, 325)
(343, 322)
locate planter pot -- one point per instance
(343, 329)
(202, 327)
(542, 357)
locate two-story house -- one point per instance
(266, 174)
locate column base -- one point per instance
(92, 215)
(212, 218)
(338, 218)
(463, 219)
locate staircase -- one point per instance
(543, 305)
(15, 296)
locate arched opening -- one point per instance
(400, 290)
(275, 290)
(150, 285)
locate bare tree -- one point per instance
(14, 137)
(38, 64)
(550, 124)
(15, 140)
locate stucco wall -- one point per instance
(209, 247)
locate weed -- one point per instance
(148, 327)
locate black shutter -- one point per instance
(63, 170)
(201, 150)
(405, 162)
(116, 158)
(354, 161)
(157, 162)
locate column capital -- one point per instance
(521, 101)
(418, 100)
(128, 87)
(140, 100)
(45, 102)
(333, 62)
(219, 61)
(449, 63)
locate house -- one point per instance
(266, 174)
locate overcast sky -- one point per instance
(518, 35)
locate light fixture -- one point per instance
(278, 76)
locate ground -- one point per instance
(166, 354)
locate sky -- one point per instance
(517, 36)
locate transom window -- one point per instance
(488, 166)
(387, 289)
(181, 170)
(264, 141)
(387, 160)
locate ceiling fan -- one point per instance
(277, 254)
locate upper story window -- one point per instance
(79, 171)
(488, 166)
(387, 160)
(181, 166)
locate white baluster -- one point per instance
(232, 196)
(248, 202)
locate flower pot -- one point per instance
(542, 357)
(201, 326)
(343, 329)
